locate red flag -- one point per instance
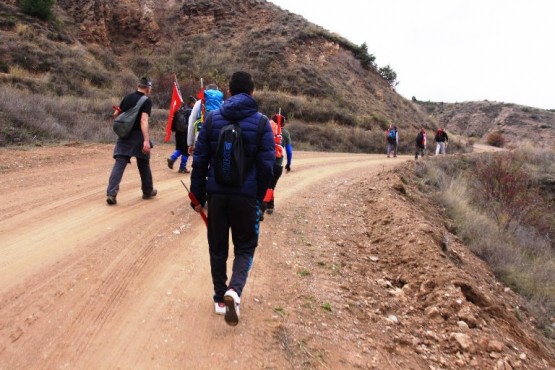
(176, 102)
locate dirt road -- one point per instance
(90, 286)
(352, 271)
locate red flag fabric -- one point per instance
(176, 102)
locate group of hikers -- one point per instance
(392, 140)
(238, 156)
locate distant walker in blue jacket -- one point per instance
(235, 208)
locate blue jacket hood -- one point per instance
(239, 107)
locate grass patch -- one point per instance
(514, 239)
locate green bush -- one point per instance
(388, 74)
(38, 8)
(366, 59)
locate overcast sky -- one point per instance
(451, 50)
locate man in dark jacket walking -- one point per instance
(236, 208)
(137, 145)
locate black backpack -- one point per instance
(180, 121)
(230, 164)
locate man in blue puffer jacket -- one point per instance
(237, 208)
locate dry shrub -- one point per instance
(30, 57)
(496, 139)
(335, 138)
(30, 117)
(507, 191)
(269, 102)
(25, 31)
(521, 254)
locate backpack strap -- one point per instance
(260, 130)
(141, 101)
(208, 124)
(208, 127)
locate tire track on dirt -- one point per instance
(85, 285)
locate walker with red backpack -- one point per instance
(278, 139)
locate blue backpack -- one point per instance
(392, 135)
(212, 100)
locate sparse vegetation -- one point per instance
(34, 118)
(502, 182)
(38, 8)
(501, 214)
(280, 311)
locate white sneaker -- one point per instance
(232, 301)
(219, 308)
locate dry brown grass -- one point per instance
(522, 255)
(29, 117)
(496, 139)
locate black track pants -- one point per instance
(241, 215)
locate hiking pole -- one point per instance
(195, 202)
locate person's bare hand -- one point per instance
(146, 147)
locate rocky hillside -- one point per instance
(98, 48)
(477, 119)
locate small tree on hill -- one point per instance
(389, 75)
(366, 60)
(38, 8)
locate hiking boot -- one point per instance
(170, 163)
(111, 200)
(184, 170)
(219, 308)
(152, 194)
(231, 300)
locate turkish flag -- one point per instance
(176, 102)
